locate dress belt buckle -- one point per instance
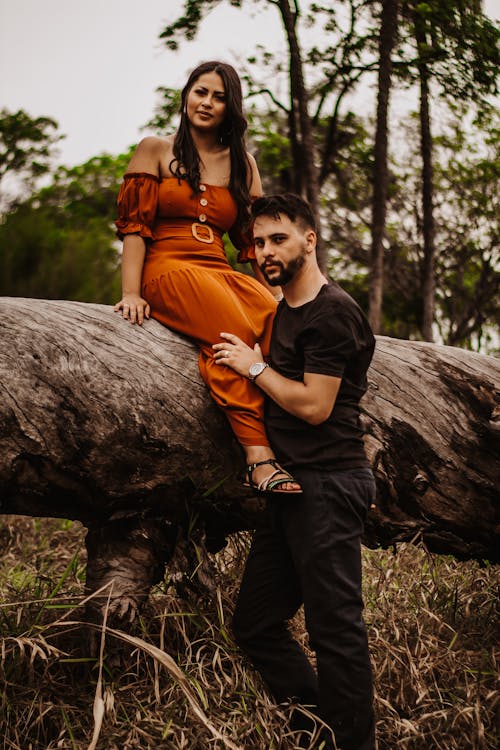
(209, 236)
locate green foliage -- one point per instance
(468, 175)
(466, 172)
(26, 147)
(188, 24)
(461, 47)
(271, 148)
(43, 255)
(87, 190)
(26, 143)
(60, 243)
(164, 120)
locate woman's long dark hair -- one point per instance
(186, 161)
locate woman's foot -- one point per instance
(268, 477)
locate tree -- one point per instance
(132, 450)
(387, 39)
(300, 128)
(166, 111)
(466, 171)
(441, 43)
(456, 47)
(60, 243)
(467, 215)
(341, 68)
(26, 146)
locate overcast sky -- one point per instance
(94, 65)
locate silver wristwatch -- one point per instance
(256, 369)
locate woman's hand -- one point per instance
(236, 354)
(134, 308)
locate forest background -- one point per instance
(407, 196)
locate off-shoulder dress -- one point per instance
(192, 288)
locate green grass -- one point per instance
(182, 683)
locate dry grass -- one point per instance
(181, 682)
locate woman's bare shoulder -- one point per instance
(149, 154)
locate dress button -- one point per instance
(203, 201)
(203, 188)
(202, 217)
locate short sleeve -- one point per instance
(243, 241)
(137, 204)
(330, 341)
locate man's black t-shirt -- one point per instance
(329, 336)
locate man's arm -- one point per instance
(311, 399)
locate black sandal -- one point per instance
(269, 484)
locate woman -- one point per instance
(179, 195)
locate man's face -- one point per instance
(280, 248)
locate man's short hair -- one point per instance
(296, 208)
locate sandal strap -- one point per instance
(264, 485)
(270, 461)
(269, 483)
(272, 483)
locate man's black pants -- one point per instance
(309, 552)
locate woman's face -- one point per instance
(206, 102)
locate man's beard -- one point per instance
(287, 272)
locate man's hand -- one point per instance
(236, 354)
(311, 399)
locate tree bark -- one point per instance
(388, 29)
(428, 262)
(303, 152)
(111, 424)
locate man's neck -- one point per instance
(305, 286)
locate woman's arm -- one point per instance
(132, 305)
(254, 181)
(146, 158)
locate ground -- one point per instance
(182, 683)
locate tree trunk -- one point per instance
(304, 157)
(111, 424)
(388, 29)
(428, 264)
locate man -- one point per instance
(309, 550)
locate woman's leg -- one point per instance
(201, 304)
(243, 405)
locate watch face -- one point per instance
(256, 369)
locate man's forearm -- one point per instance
(311, 401)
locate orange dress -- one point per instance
(192, 288)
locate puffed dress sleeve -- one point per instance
(137, 204)
(243, 242)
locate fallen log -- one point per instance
(111, 424)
